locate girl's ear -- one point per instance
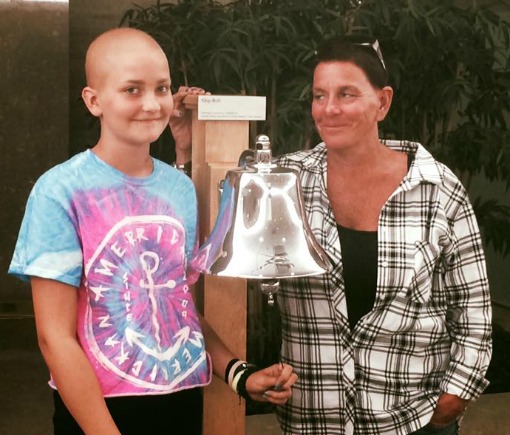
(91, 100)
(385, 98)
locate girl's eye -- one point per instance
(132, 91)
(318, 97)
(163, 89)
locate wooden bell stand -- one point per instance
(217, 146)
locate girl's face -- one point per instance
(346, 108)
(134, 101)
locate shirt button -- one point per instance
(384, 264)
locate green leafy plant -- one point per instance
(450, 68)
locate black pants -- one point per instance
(168, 414)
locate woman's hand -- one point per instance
(180, 123)
(448, 408)
(272, 384)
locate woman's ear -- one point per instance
(91, 100)
(385, 99)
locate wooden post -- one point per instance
(217, 146)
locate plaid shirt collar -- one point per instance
(427, 170)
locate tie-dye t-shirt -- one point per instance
(126, 244)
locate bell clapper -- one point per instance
(269, 287)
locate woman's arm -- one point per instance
(55, 306)
(469, 315)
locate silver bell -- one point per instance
(261, 231)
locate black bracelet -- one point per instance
(236, 374)
(229, 366)
(241, 384)
(183, 167)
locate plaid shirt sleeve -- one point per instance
(469, 309)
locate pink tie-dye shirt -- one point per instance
(126, 244)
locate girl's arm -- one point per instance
(272, 384)
(55, 307)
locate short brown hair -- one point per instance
(362, 51)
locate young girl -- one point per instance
(106, 242)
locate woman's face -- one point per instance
(346, 108)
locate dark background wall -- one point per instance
(33, 114)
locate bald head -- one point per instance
(106, 50)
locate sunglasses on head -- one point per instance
(367, 42)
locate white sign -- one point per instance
(231, 108)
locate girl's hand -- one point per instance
(272, 384)
(180, 123)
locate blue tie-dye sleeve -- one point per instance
(48, 245)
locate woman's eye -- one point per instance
(163, 89)
(318, 97)
(347, 95)
(132, 91)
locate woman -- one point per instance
(395, 339)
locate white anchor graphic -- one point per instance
(182, 336)
(145, 260)
(150, 264)
(149, 271)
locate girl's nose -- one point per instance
(151, 103)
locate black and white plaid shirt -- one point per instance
(429, 330)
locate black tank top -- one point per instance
(359, 258)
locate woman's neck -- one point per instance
(359, 157)
(359, 184)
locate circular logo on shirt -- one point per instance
(139, 320)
